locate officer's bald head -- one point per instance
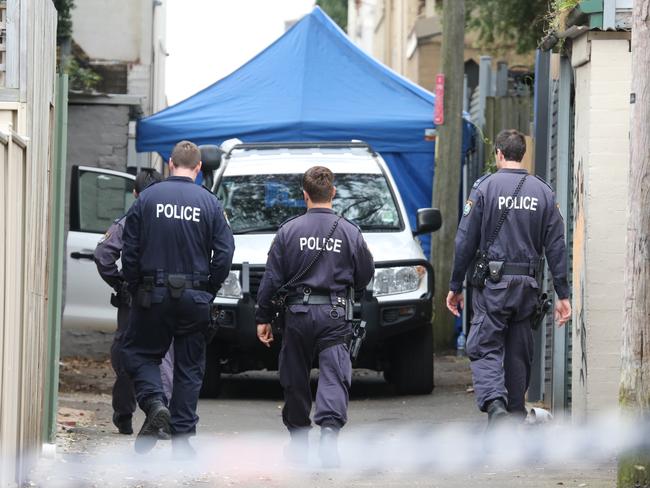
(512, 145)
(186, 155)
(318, 182)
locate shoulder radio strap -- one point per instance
(504, 216)
(311, 263)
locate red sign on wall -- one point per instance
(438, 109)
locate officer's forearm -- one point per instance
(461, 263)
(263, 314)
(110, 274)
(561, 286)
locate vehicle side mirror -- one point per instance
(211, 156)
(427, 220)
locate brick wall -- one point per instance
(602, 63)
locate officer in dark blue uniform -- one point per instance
(500, 342)
(315, 312)
(178, 249)
(107, 254)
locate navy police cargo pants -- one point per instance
(500, 341)
(148, 338)
(123, 393)
(311, 332)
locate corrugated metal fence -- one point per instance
(26, 126)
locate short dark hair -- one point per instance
(146, 177)
(186, 154)
(512, 145)
(318, 182)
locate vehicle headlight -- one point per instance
(391, 281)
(230, 287)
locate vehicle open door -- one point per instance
(97, 197)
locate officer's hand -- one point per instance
(562, 311)
(265, 334)
(454, 302)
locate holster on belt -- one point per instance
(544, 304)
(496, 271)
(480, 270)
(176, 284)
(144, 292)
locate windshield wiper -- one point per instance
(261, 228)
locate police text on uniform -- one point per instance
(174, 212)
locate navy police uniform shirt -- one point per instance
(345, 261)
(533, 227)
(107, 253)
(179, 227)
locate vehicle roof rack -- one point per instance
(303, 145)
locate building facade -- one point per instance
(131, 68)
(406, 35)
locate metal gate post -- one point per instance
(560, 343)
(57, 248)
(541, 124)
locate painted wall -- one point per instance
(141, 45)
(98, 136)
(362, 19)
(602, 66)
(96, 22)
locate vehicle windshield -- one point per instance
(260, 203)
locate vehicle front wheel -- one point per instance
(411, 363)
(211, 387)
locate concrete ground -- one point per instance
(434, 440)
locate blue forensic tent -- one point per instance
(311, 84)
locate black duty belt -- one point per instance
(519, 269)
(188, 281)
(314, 299)
(193, 285)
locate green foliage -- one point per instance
(337, 9)
(559, 9)
(82, 79)
(507, 24)
(634, 470)
(64, 25)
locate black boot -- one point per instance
(158, 420)
(329, 449)
(182, 449)
(497, 412)
(297, 451)
(123, 423)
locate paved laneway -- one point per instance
(434, 440)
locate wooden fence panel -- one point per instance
(25, 168)
(14, 236)
(41, 99)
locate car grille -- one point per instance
(255, 278)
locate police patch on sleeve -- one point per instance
(467, 208)
(104, 237)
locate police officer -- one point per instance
(107, 253)
(178, 249)
(315, 317)
(500, 341)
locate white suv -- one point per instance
(259, 186)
